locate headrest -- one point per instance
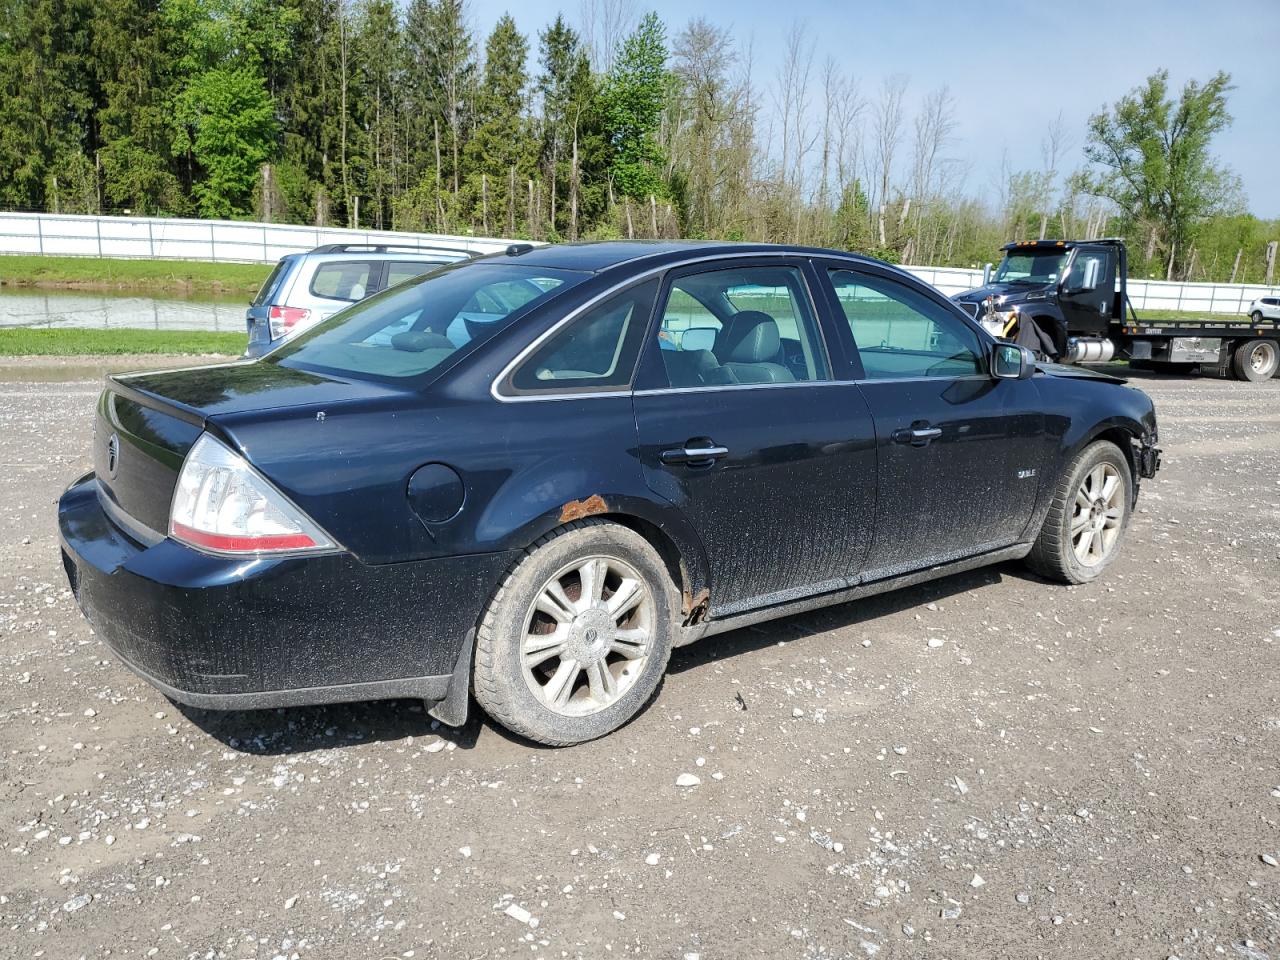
(414, 341)
(749, 337)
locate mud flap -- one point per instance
(452, 710)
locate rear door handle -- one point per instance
(696, 453)
(918, 435)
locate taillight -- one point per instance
(222, 505)
(283, 320)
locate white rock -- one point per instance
(291, 902)
(465, 851)
(1269, 860)
(518, 913)
(435, 746)
(91, 712)
(977, 881)
(900, 751)
(797, 712)
(687, 780)
(935, 642)
(652, 859)
(961, 786)
(75, 903)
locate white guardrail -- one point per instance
(229, 240)
(156, 238)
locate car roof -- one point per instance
(597, 256)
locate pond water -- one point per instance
(51, 309)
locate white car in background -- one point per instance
(306, 288)
(1264, 308)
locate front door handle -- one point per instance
(918, 434)
(696, 453)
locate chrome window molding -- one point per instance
(815, 258)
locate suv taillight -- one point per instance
(284, 320)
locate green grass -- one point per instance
(21, 341)
(1186, 315)
(153, 276)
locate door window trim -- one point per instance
(810, 264)
(692, 268)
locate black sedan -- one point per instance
(529, 477)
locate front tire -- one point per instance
(1087, 518)
(1256, 360)
(577, 638)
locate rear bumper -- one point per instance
(235, 634)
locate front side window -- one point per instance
(595, 351)
(901, 333)
(744, 325)
(412, 329)
(343, 280)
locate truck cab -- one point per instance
(1046, 292)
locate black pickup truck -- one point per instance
(1068, 300)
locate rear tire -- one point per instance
(1256, 316)
(603, 668)
(1256, 360)
(1087, 517)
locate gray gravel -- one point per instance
(1087, 772)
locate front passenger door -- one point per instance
(959, 452)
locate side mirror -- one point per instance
(986, 274)
(1012, 362)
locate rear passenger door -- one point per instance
(744, 428)
(959, 453)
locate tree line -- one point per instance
(376, 114)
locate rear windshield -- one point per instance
(415, 327)
(269, 287)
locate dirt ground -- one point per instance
(1088, 772)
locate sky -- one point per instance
(1011, 67)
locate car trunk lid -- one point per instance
(146, 423)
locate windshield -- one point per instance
(415, 327)
(1031, 267)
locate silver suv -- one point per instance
(306, 288)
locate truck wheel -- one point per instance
(1087, 518)
(576, 639)
(1256, 360)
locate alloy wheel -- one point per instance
(1098, 515)
(587, 636)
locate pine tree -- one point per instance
(499, 154)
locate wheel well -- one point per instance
(661, 542)
(1123, 439)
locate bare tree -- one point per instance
(791, 95)
(603, 24)
(887, 130)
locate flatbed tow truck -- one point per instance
(1069, 301)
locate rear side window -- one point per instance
(745, 325)
(343, 280)
(595, 351)
(412, 329)
(398, 271)
(901, 333)
(269, 286)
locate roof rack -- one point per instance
(389, 247)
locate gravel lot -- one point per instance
(1087, 772)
